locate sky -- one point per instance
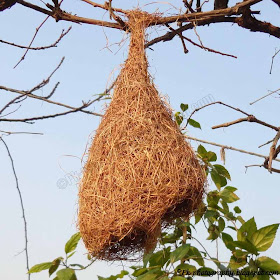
(93, 58)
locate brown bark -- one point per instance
(5, 4)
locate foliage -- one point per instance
(179, 254)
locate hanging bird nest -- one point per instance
(140, 172)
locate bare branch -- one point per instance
(58, 14)
(30, 94)
(22, 207)
(272, 59)
(272, 153)
(170, 35)
(229, 148)
(200, 46)
(13, 101)
(250, 118)
(270, 93)
(213, 103)
(29, 120)
(249, 22)
(32, 40)
(238, 9)
(277, 2)
(20, 132)
(105, 7)
(53, 45)
(6, 4)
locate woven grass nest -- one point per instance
(140, 172)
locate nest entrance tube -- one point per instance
(140, 172)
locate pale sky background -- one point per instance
(41, 161)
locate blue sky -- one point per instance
(41, 161)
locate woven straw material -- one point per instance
(140, 172)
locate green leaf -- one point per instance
(178, 118)
(139, 272)
(70, 255)
(146, 258)
(222, 170)
(246, 245)
(246, 230)
(237, 262)
(151, 275)
(200, 212)
(160, 257)
(179, 253)
(184, 107)
(78, 265)
(217, 179)
(115, 277)
(178, 278)
(268, 264)
(55, 265)
(264, 237)
(206, 272)
(39, 267)
(227, 239)
(72, 243)
(213, 198)
(228, 195)
(240, 219)
(221, 224)
(195, 255)
(213, 232)
(163, 278)
(225, 207)
(211, 156)
(211, 213)
(194, 123)
(189, 269)
(201, 151)
(66, 274)
(173, 237)
(237, 210)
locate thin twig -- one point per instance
(13, 101)
(250, 118)
(28, 120)
(46, 81)
(272, 60)
(197, 45)
(20, 132)
(264, 96)
(229, 147)
(266, 143)
(104, 7)
(272, 153)
(53, 45)
(213, 103)
(22, 207)
(32, 40)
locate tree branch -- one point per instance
(229, 148)
(5, 4)
(53, 45)
(22, 207)
(238, 9)
(250, 118)
(58, 15)
(249, 22)
(28, 120)
(105, 7)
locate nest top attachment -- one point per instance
(140, 172)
